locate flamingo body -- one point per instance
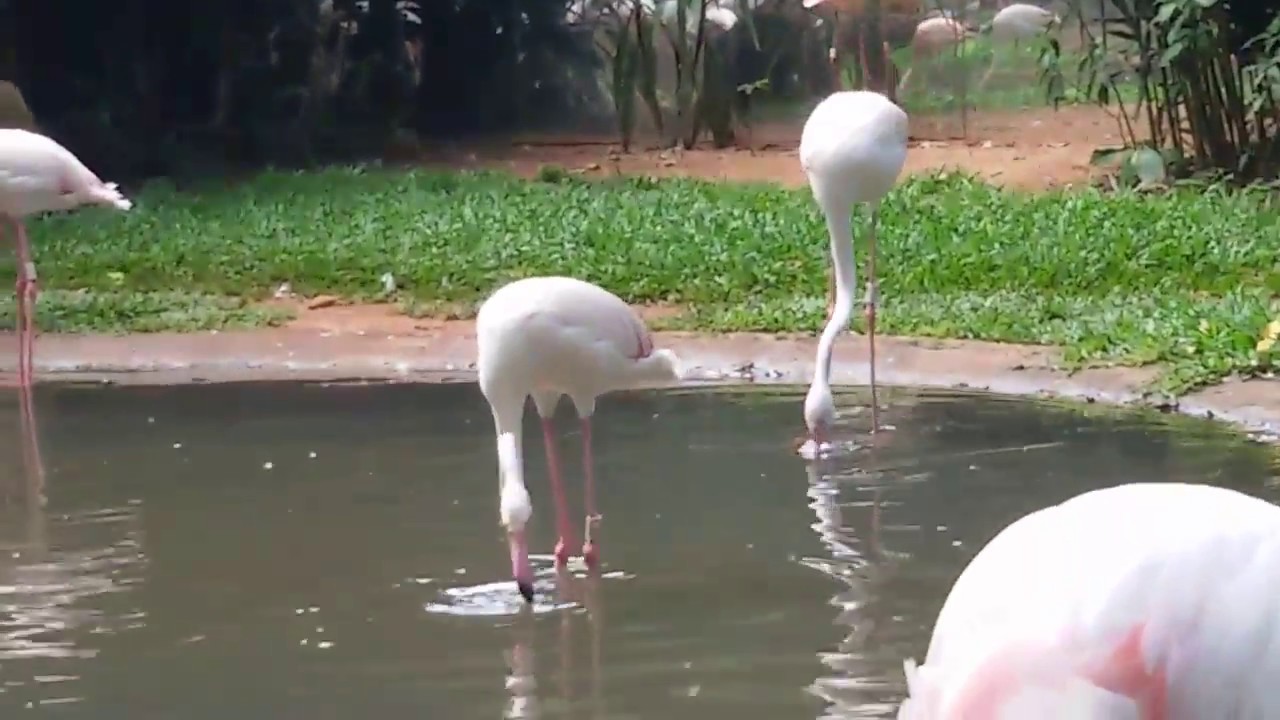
(1146, 601)
(546, 337)
(717, 16)
(1016, 23)
(932, 36)
(1021, 21)
(39, 175)
(853, 148)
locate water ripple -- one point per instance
(48, 579)
(501, 598)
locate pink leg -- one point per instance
(20, 303)
(557, 490)
(33, 462)
(589, 552)
(873, 299)
(26, 296)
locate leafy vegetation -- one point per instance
(1182, 278)
(1208, 77)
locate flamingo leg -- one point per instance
(831, 290)
(865, 70)
(589, 551)
(33, 464)
(20, 303)
(873, 299)
(26, 292)
(563, 528)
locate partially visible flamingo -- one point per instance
(933, 36)
(547, 337)
(852, 148)
(39, 175)
(1155, 601)
(1015, 23)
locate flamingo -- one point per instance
(547, 337)
(1149, 600)
(1015, 23)
(932, 36)
(39, 175)
(852, 148)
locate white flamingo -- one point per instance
(39, 175)
(932, 37)
(1152, 600)
(852, 148)
(718, 17)
(547, 337)
(1014, 24)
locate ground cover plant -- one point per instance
(1184, 278)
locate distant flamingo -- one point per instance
(39, 175)
(933, 36)
(1015, 23)
(852, 148)
(547, 337)
(1152, 600)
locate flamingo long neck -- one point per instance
(507, 419)
(840, 227)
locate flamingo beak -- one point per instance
(521, 570)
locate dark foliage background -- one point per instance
(187, 88)
(173, 87)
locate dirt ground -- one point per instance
(1031, 149)
(1027, 150)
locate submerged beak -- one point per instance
(521, 570)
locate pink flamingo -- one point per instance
(39, 175)
(1150, 600)
(547, 337)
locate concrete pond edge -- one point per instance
(447, 354)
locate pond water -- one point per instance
(303, 551)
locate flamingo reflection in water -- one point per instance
(25, 483)
(522, 682)
(862, 564)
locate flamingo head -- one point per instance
(515, 509)
(521, 570)
(819, 411)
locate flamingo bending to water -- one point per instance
(1015, 23)
(39, 175)
(852, 148)
(1152, 600)
(547, 337)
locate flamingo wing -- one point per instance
(1126, 592)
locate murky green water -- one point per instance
(285, 551)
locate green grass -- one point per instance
(1185, 279)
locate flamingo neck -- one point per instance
(513, 497)
(840, 228)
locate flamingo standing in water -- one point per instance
(547, 337)
(39, 175)
(852, 148)
(1156, 601)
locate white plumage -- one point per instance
(1014, 24)
(718, 16)
(1153, 601)
(545, 337)
(1021, 21)
(852, 148)
(932, 36)
(39, 175)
